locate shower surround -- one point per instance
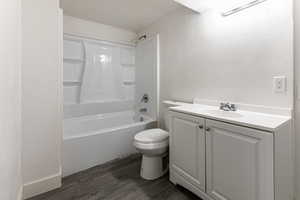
(99, 103)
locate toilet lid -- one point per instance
(152, 136)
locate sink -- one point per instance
(222, 113)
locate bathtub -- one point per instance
(96, 139)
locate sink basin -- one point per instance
(222, 113)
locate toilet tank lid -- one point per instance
(152, 136)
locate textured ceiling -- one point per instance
(133, 15)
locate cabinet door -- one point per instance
(239, 162)
(187, 148)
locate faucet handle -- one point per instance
(228, 107)
(222, 105)
(145, 98)
(233, 107)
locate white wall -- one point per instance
(227, 58)
(10, 100)
(297, 96)
(84, 28)
(42, 82)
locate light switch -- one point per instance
(279, 84)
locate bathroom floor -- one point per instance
(118, 179)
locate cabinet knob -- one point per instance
(207, 129)
(201, 126)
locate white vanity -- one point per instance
(238, 155)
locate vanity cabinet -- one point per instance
(223, 161)
(188, 149)
(239, 162)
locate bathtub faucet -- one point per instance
(143, 110)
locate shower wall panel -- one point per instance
(98, 71)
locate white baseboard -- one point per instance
(42, 185)
(20, 193)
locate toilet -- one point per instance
(154, 145)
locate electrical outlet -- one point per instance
(279, 84)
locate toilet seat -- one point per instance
(151, 146)
(152, 136)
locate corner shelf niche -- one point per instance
(72, 82)
(73, 60)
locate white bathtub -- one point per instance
(93, 140)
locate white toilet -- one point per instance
(154, 145)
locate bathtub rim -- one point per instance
(113, 129)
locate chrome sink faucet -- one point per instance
(228, 107)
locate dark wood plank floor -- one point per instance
(119, 179)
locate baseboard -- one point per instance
(43, 185)
(20, 193)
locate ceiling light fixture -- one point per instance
(242, 7)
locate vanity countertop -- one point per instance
(262, 121)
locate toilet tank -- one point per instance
(166, 116)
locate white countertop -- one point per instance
(262, 121)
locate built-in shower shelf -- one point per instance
(128, 65)
(128, 82)
(73, 60)
(72, 82)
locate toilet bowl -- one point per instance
(153, 145)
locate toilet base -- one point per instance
(154, 167)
